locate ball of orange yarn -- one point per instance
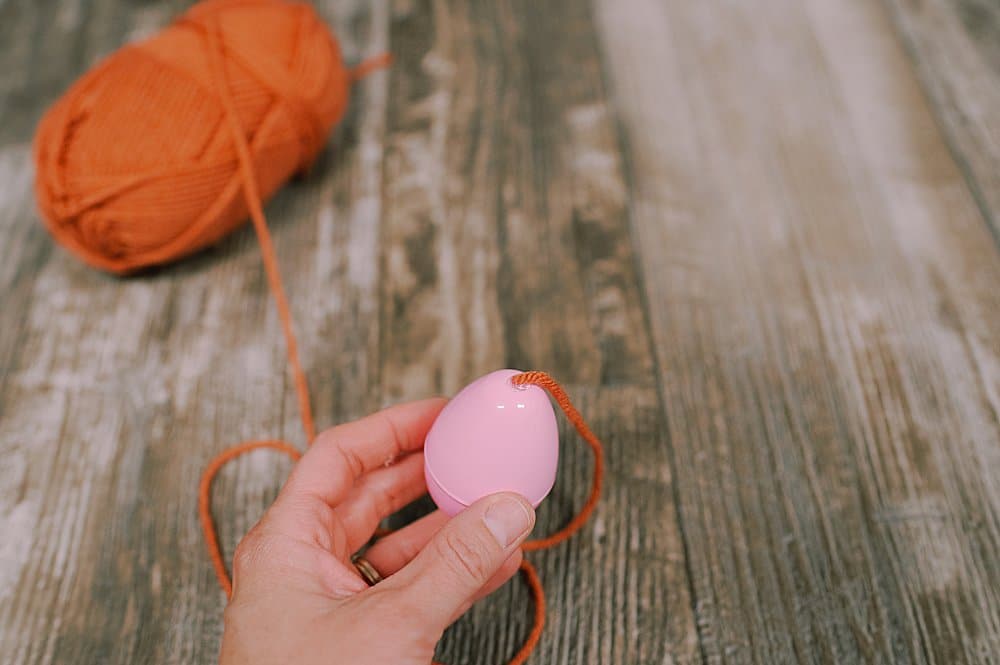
(136, 164)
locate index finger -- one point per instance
(342, 454)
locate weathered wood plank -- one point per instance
(823, 302)
(955, 45)
(802, 429)
(506, 243)
(116, 392)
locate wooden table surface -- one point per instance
(756, 240)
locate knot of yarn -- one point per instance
(135, 164)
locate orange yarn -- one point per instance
(135, 163)
(168, 145)
(530, 574)
(562, 399)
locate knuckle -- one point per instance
(469, 558)
(352, 461)
(395, 434)
(409, 549)
(249, 553)
(383, 502)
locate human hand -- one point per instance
(297, 598)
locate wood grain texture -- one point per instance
(822, 292)
(733, 230)
(421, 253)
(506, 243)
(116, 392)
(955, 45)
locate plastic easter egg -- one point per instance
(492, 437)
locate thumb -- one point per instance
(446, 576)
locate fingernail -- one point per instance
(507, 519)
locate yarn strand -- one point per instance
(205, 500)
(545, 381)
(215, 47)
(538, 624)
(172, 142)
(254, 203)
(369, 65)
(528, 571)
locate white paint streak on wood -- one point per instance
(366, 213)
(16, 176)
(147, 21)
(954, 46)
(950, 256)
(789, 153)
(440, 67)
(17, 523)
(822, 300)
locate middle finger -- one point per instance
(379, 494)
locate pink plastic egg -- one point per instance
(492, 437)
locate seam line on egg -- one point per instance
(532, 500)
(437, 481)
